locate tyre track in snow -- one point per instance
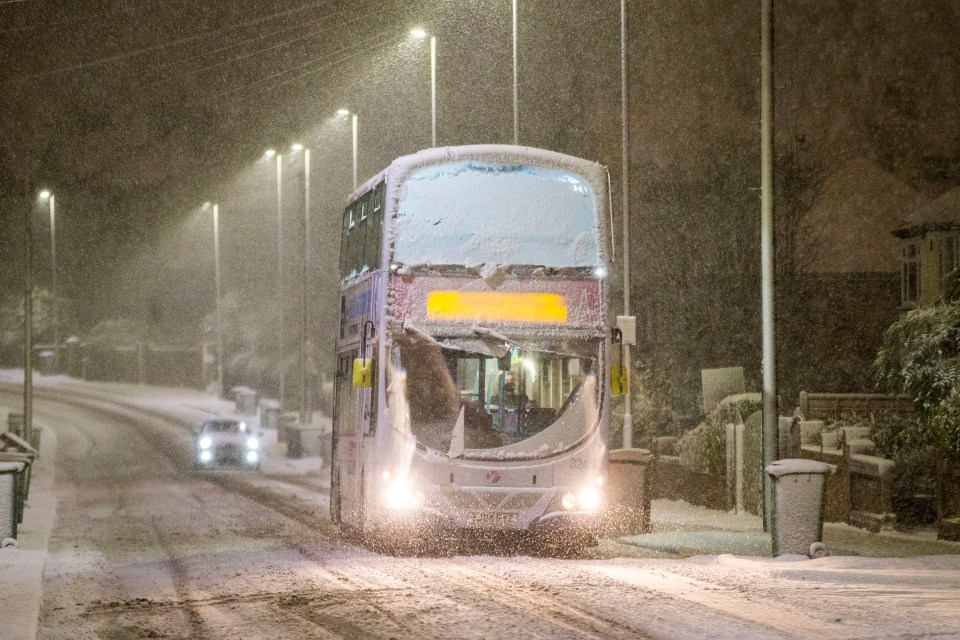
(561, 616)
(79, 473)
(328, 611)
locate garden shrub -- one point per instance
(704, 448)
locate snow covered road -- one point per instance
(144, 546)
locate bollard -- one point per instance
(799, 497)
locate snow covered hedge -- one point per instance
(704, 449)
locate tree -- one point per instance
(921, 357)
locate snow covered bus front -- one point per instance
(471, 389)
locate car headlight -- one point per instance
(252, 443)
(206, 456)
(252, 456)
(206, 442)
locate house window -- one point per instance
(910, 274)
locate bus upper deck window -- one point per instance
(378, 199)
(352, 222)
(363, 209)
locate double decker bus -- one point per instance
(473, 342)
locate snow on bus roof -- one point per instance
(502, 153)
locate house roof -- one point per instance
(848, 229)
(942, 213)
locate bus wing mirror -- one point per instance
(363, 373)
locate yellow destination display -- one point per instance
(495, 305)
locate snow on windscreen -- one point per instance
(474, 212)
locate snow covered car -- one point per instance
(226, 441)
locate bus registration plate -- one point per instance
(491, 519)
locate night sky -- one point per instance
(136, 112)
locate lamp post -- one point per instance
(516, 73)
(219, 316)
(271, 153)
(419, 34)
(305, 396)
(625, 192)
(28, 323)
(47, 195)
(354, 130)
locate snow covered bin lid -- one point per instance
(11, 467)
(798, 465)
(17, 442)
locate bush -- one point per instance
(704, 449)
(662, 401)
(910, 444)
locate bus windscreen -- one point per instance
(466, 213)
(477, 399)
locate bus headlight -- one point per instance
(569, 501)
(400, 495)
(205, 442)
(252, 457)
(589, 499)
(206, 456)
(253, 443)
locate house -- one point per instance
(929, 250)
(847, 292)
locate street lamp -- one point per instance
(343, 113)
(625, 213)
(304, 282)
(516, 72)
(47, 195)
(269, 154)
(219, 316)
(420, 34)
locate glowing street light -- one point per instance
(216, 272)
(420, 34)
(343, 113)
(47, 195)
(305, 409)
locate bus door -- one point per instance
(345, 475)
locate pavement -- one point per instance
(678, 530)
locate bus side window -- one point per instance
(344, 242)
(355, 242)
(373, 224)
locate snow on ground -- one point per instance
(698, 574)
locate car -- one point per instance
(226, 441)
